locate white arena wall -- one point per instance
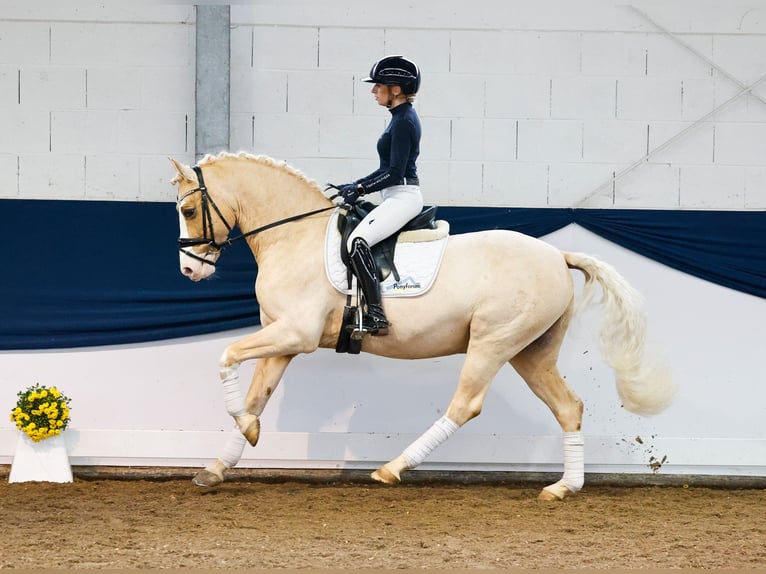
(524, 104)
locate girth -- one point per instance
(383, 252)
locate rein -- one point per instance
(207, 222)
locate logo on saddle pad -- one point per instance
(418, 257)
(405, 284)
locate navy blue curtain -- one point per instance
(87, 273)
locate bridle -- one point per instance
(208, 237)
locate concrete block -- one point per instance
(303, 53)
(695, 146)
(614, 54)
(741, 55)
(648, 186)
(436, 139)
(452, 95)
(241, 46)
(669, 58)
(755, 187)
(349, 136)
(429, 49)
(481, 52)
(467, 139)
(570, 183)
(24, 130)
(712, 187)
(256, 91)
(550, 140)
(9, 86)
(434, 181)
(51, 176)
(349, 49)
(85, 131)
(122, 44)
(241, 131)
(583, 98)
(113, 88)
(24, 43)
(542, 53)
(465, 183)
(484, 139)
(52, 10)
(286, 136)
(649, 98)
(52, 88)
(515, 184)
(112, 176)
(614, 141)
(740, 144)
(697, 98)
(522, 97)
(168, 89)
(325, 170)
(546, 53)
(314, 92)
(756, 108)
(155, 132)
(728, 97)
(9, 175)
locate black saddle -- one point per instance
(383, 252)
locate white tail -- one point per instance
(644, 384)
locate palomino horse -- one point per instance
(500, 297)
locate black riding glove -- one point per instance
(351, 192)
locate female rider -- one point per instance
(396, 81)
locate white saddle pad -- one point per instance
(417, 258)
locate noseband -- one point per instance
(208, 236)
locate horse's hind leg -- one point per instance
(476, 376)
(537, 366)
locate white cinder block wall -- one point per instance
(523, 103)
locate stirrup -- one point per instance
(370, 326)
(375, 325)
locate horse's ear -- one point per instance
(183, 171)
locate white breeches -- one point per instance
(400, 204)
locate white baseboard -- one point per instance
(326, 450)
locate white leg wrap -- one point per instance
(232, 394)
(574, 462)
(440, 431)
(232, 452)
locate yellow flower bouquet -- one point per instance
(41, 412)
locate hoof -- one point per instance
(548, 496)
(385, 476)
(207, 478)
(555, 492)
(253, 430)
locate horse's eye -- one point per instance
(189, 212)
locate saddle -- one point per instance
(384, 251)
(349, 337)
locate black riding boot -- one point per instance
(363, 265)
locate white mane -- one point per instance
(263, 159)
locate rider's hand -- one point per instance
(350, 192)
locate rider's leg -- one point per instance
(400, 204)
(363, 264)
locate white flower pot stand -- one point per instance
(44, 461)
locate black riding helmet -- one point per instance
(395, 71)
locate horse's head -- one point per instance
(203, 223)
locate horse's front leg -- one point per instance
(275, 344)
(268, 373)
